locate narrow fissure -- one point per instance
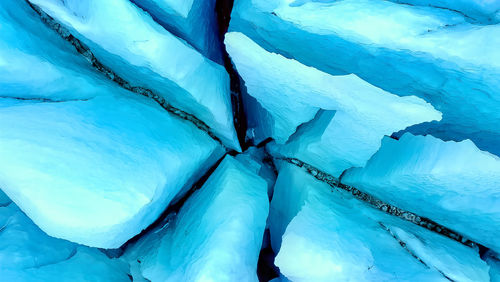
(96, 64)
(379, 204)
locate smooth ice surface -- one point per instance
(127, 40)
(452, 183)
(97, 172)
(332, 234)
(28, 254)
(432, 53)
(217, 234)
(193, 20)
(293, 93)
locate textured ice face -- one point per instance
(432, 53)
(97, 172)
(454, 183)
(217, 234)
(127, 40)
(330, 234)
(293, 93)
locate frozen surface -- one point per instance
(433, 53)
(453, 183)
(193, 20)
(35, 63)
(28, 254)
(487, 11)
(333, 235)
(127, 40)
(85, 265)
(97, 172)
(217, 234)
(24, 245)
(4, 200)
(293, 93)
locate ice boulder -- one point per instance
(217, 234)
(332, 236)
(452, 183)
(293, 94)
(433, 53)
(193, 20)
(98, 171)
(127, 40)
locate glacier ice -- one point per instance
(330, 234)
(99, 171)
(192, 20)
(127, 40)
(428, 52)
(216, 235)
(28, 254)
(485, 11)
(35, 63)
(453, 183)
(293, 94)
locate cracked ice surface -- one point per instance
(217, 234)
(327, 233)
(126, 39)
(293, 94)
(428, 52)
(454, 183)
(97, 172)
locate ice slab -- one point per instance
(193, 20)
(452, 183)
(127, 40)
(217, 234)
(432, 53)
(99, 171)
(331, 235)
(293, 94)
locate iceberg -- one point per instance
(452, 183)
(217, 234)
(133, 46)
(293, 94)
(192, 20)
(432, 53)
(330, 234)
(98, 171)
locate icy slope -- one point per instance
(453, 183)
(433, 53)
(331, 235)
(127, 40)
(217, 234)
(293, 94)
(97, 172)
(192, 20)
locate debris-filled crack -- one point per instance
(379, 204)
(110, 74)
